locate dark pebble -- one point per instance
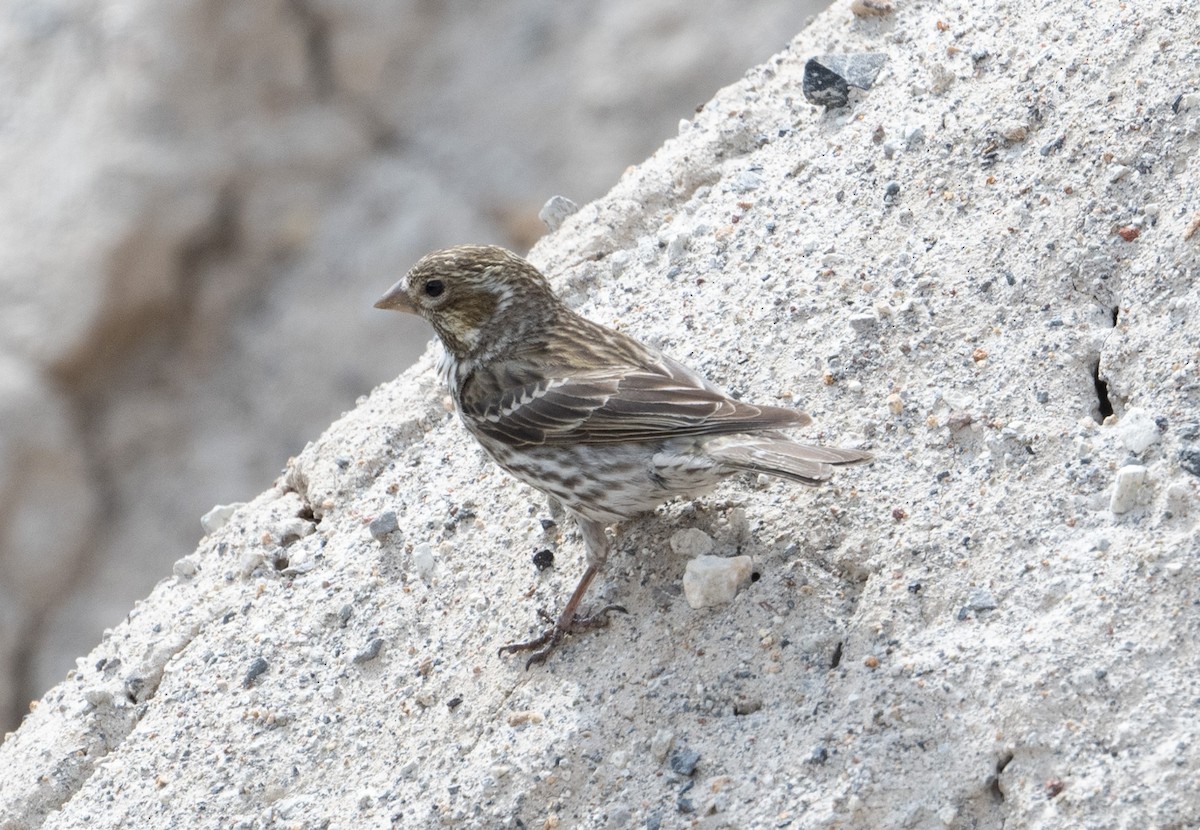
(827, 79)
(256, 668)
(1189, 459)
(382, 525)
(454, 703)
(543, 559)
(370, 652)
(683, 761)
(1052, 145)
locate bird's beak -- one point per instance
(396, 299)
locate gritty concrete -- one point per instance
(961, 635)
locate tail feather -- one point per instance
(777, 456)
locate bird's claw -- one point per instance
(548, 640)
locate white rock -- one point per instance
(218, 517)
(1137, 430)
(714, 580)
(661, 744)
(1127, 488)
(691, 542)
(556, 210)
(424, 561)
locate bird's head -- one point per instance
(474, 296)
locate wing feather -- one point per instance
(656, 400)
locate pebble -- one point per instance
(1127, 488)
(1014, 131)
(618, 262)
(291, 530)
(1137, 430)
(691, 542)
(556, 210)
(383, 525)
(714, 580)
(683, 761)
(543, 559)
(981, 600)
(661, 744)
(677, 248)
(218, 517)
(424, 561)
(369, 653)
(184, 568)
(828, 78)
(863, 323)
(257, 667)
(1189, 460)
(1179, 498)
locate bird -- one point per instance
(604, 425)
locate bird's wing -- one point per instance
(660, 399)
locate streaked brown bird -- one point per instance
(601, 423)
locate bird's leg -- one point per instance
(569, 621)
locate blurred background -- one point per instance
(200, 201)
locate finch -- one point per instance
(608, 427)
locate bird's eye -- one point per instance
(434, 288)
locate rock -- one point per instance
(383, 525)
(661, 744)
(369, 653)
(218, 517)
(684, 761)
(691, 542)
(1127, 488)
(827, 79)
(715, 580)
(556, 210)
(424, 561)
(1137, 430)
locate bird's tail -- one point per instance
(775, 455)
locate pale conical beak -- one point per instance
(396, 299)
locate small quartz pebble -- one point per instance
(691, 542)
(1127, 488)
(424, 561)
(714, 580)
(184, 568)
(218, 517)
(661, 744)
(556, 210)
(1137, 430)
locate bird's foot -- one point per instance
(548, 640)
